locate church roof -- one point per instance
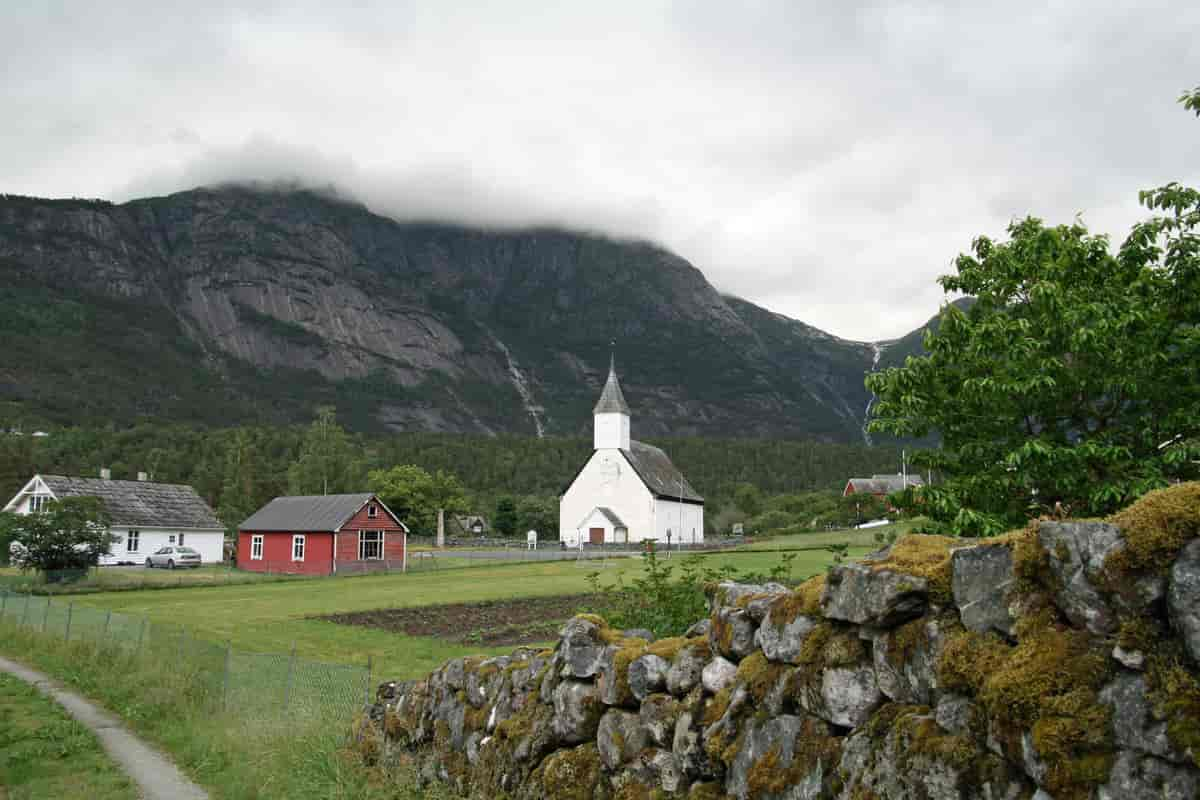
(661, 477)
(608, 514)
(611, 400)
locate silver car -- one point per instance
(172, 557)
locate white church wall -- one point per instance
(677, 517)
(607, 480)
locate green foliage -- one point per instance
(748, 498)
(539, 514)
(504, 522)
(1070, 383)
(415, 496)
(69, 534)
(666, 603)
(329, 461)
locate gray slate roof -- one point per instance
(884, 484)
(609, 515)
(312, 513)
(142, 504)
(611, 400)
(661, 477)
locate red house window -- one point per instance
(370, 545)
(298, 547)
(372, 511)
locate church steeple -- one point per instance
(611, 415)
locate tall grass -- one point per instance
(232, 756)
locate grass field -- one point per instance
(271, 617)
(44, 753)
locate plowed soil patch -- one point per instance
(494, 623)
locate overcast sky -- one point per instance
(826, 160)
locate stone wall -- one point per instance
(1055, 662)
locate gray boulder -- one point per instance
(688, 748)
(781, 641)
(1134, 725)
(982, 577)
(620, 736)
(1130, 659)
(717, 675)
(846, 696)
(658, 715)
(732, 633)
(777, 736)
(1076, 552)
(958, 715)
(651, 768)
(911, 675)
(577, 711)
(867, 595)
(686, 670)
(700, 628)
(638, 633)
(728, 593)
(1135, 777)
(580, 648)
(647, 674)
(1183, 598)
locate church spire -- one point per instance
(612, 401)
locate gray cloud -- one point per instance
(825, 160)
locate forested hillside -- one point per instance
(238, 467)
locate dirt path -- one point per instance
(155, 775)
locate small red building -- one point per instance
(323, 535)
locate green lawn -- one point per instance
(271, 617)
(44, 753)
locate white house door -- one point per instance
(596, 535)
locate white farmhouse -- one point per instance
(627, 491)
(143, 515)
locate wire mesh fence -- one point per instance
(219, 679)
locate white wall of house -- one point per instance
(685, 521)
(607, 480)
(210, 544)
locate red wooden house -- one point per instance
(323, 535)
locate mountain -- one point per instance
(233, 305)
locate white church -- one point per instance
(628, 491)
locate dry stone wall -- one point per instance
(1055, 663)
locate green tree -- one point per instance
(748, 498)
(329, 462)
(535, 513)
(1070, 384)
(505, 520)
(415, 496)
(70, 534)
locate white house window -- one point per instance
(256, 547)
(181, 540)
(370, 545)
(171, 539)
(372, 511)
(37, 502)
(298, 547)
(131, 541)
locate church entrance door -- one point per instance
(596, 535)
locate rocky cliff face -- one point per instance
(442, 328)
(1062, 661)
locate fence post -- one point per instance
(25, 611)
(46, 614)
(141, 634)
(225, 676)
(107, 622)
(179, 647)
(70, 610)
(3, 602)
(287, 687)
(368, 692)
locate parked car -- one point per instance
(172, 557)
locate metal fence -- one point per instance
(259, 686)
